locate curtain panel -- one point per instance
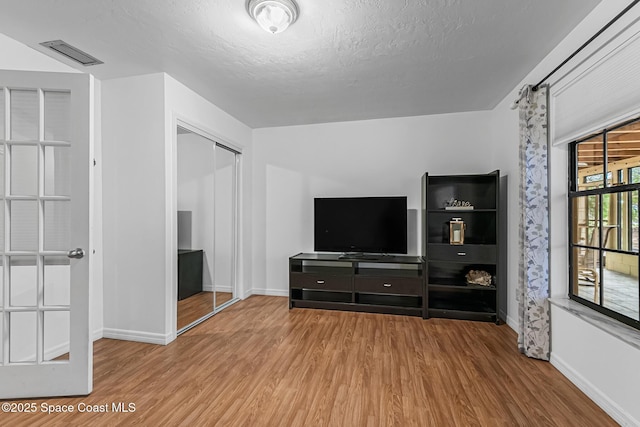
(533, 282)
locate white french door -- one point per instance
(45, 183)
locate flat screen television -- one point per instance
(375, 225)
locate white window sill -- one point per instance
(618, 329)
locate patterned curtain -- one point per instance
(533, 281)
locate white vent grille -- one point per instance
(71, 52)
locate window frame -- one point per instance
(574, 193)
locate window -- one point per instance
(604, 222)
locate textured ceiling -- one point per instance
(342, 60)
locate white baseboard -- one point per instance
(138, 336)
(218, 288)
(602, 400)
(513, 323)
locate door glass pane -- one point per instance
(24, 170)
(620, 284)
(57, 116)
(57, 280)
(2, 150)
(24, 225)
(57, 177)
(56, 335)
(1, 287)
(22, 337)
(2, 335)
(23, 281)
(224, 223)
(24, 115)
(56, 225)
(2, 226)
(2, 113)
(587, 274)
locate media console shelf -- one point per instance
(386, 284)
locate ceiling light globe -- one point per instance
(273, 16)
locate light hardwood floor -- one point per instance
(257, 363)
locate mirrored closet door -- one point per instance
(207, 200)
(225, 226)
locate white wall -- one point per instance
(134, 207)
(292, 165)
(596, 365)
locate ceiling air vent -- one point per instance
(71, 52)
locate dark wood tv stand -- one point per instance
(393, 284)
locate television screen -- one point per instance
(361, 224)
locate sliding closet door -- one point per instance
(225, 225)
(207, 188)
(196, 200)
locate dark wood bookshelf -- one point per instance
(447, 292)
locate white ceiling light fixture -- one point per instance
(273, 16)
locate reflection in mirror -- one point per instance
(195, 226)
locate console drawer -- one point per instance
(319, 281)
(480, 254)
(389, 285)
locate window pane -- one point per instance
(590, 164)
(634, 222)
(57, 116)
(623, 149)
(24, 115)
(620, 284)
(613, 208)
(586, 273)
(585, 221)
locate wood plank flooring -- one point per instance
(257, 363)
